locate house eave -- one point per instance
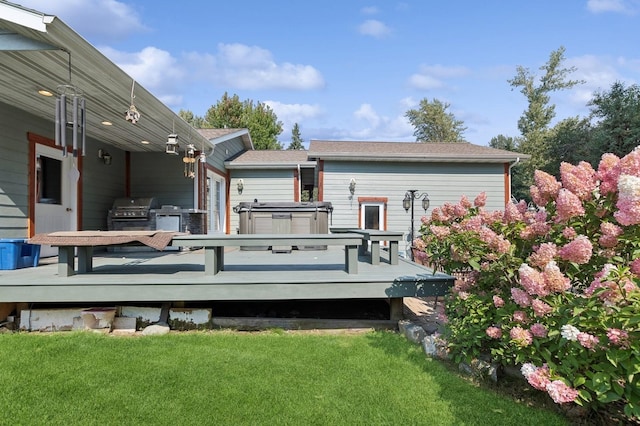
(269, 166)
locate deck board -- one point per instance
(248, 275)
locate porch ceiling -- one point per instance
(106, 87)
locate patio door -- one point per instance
(56, 193)
(216, 189)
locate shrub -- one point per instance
(551, 286)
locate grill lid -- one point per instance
(132, 208)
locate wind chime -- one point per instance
(70, 114)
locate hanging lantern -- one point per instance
(189, 160)
(172, 144)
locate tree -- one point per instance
(570, 141)
(618, 115)
(535, 120)
(259, 119)
(296, 140)
(433, 123)
(195, 121)
(504, 142)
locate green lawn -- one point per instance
(230, 378)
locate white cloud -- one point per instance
(240, 66)
(290, 114)
(432, 76)
(599, 73)
(374, 28)
(369, 10)
(103, 19)
(379, 127)
(155, 69)
(617, 6)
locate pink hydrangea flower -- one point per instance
(520, 316)
(608, 173)
(578, 251)
(532, 281)
(540, 308)
(538, 330)
(580, 179)
(543, 254)
(511, 214)
(539, 378)
(635, 266)
(498, 302)
(441, 232)
(628, 203)
(588, 341)
(480, 200)
(610, 234)
(521, 297)
(494, 332)
(560, 392)
(618, 337)
(464, 202)
(548, 186)
(520, 336)
(569, 233)
(568, 206)
(555, 281)
(472, 223)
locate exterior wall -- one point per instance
(225, 150)
(101, 184)
(263, 185)
(14, 160)
(443, 183)
(161, 176)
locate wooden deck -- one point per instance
(248, 275)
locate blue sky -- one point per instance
(350, 69)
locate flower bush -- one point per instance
(551, 286)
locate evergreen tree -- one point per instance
(296, 140)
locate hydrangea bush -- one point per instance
(550, 286)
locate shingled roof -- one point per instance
(265, 159)
(410, 152)
(221, 135)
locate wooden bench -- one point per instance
(374, 237)
(214, 245)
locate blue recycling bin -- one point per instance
(16, 253)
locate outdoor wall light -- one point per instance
(104, 156)
(240, 186)
(352, 186)
(172, 144)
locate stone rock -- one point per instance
(429, 346)
(415, 333)
(156, 330)
(480, 368)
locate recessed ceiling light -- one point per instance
(107, 123)
(45, 92)
(145, 142)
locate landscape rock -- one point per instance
(156, 330)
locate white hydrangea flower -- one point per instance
(569, 332)
(629, 186)
(527, 369)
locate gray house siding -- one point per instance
(443, 183)
(225, 150)
(14, 160)
(263, 185)
(161, 176)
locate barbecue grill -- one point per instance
(132, 214)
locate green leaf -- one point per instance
(608, 397)
(578, 381)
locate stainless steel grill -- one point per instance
(137, 209)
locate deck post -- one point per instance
(85, 259)
(393, 252)
(375, 252)
(396, 308)
(351, 259)
(66, 261)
